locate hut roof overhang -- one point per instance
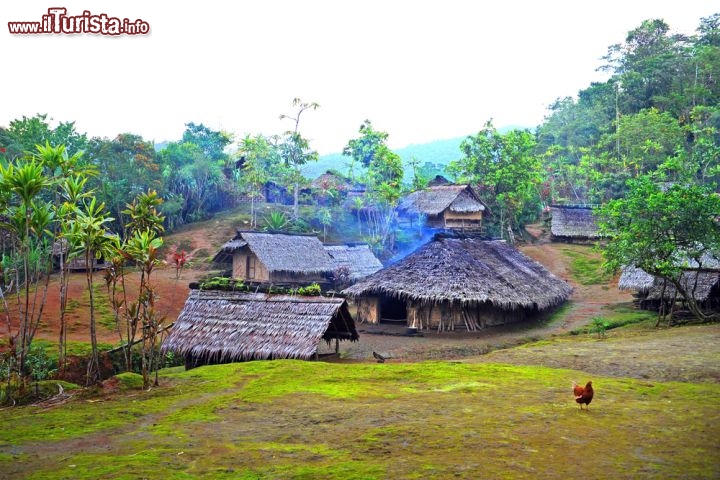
(233, 326)
(279, 252)
(436, 199)
(574, 222)
(359, 259)
(467, 271)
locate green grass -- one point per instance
(619, 316)
(306, 420)
(586, 265)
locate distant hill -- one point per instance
(438, 153)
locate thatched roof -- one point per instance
(705, 283)
(574, 222)
(222, 326)
(281, 252)
(359, 259)
(633, 278)
(469, 271)
(435, 200)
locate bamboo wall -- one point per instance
(240, 268)
(368, 310)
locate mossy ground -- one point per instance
(303, 420)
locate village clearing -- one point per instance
(489, 404)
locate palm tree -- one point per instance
(93, 241)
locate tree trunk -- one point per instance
(93, 369)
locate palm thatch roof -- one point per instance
(281, 252)
(359, 259)
(467, 271)
(435, 200)
(705, 283)
(573, 222)
(633, 278)
(222, 326)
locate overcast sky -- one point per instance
(420, 70)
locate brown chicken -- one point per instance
(583, 394)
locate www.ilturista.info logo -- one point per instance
(58, 22)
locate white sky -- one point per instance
(420, 70)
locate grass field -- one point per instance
(307, 420)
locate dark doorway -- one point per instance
(392, 309)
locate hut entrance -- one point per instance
(392, 310)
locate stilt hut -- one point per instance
(218, 326)
(444, 207)
(466, 283)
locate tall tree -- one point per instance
(660, 229)
(508, 172)
(295, 149)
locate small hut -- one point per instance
(651, 292)
(359, 260)
(222, 326)
(575, 224)
(446, 207)
(459, 282)
(276, 258)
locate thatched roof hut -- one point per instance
(704, 284)
(220, 326)
(573, 223)
(358, 259)
(459, 281)
(445, 206)
(637, 279)
(276, 257)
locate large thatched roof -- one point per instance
(281, 252)
(359, 259)
(573, 222)
(469, 271)
(435, 200)
(224, 326)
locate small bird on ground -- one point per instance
(379, 357)
(583, 394)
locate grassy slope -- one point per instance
(293, 419)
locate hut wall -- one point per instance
(445, 316)
(304, 278)
(368, 309)
(240, 260)
(463, 220)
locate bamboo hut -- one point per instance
(454, 283)
(221, 326)
(446, 207)
(575, 224)
(359, 260)
(276, 258)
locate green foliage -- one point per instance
(507, 172)
(310, 290)
(587, 266)
(276, 222)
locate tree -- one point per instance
(22, 135)
(93, 240)
(660, 229)
(383, 178)
(295, 149)
(507, 171)
(259, 159)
